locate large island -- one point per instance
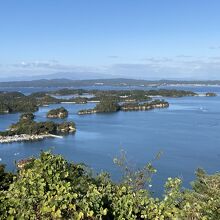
(26, 129)
(108, 105)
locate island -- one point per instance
(81, 96)
(58, 113)
(11, 102)
(108, 105)
(210, 94)
(26, 129)
(78, 100)
(144, 106)
(87, 111)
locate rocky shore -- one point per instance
(130, 107)
(26, 137)
(144, 107)
(87, 112)
(210, 94)
(58, 113)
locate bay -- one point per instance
(187, 133)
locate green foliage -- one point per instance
(107, 105)
(16, 102)
(135, 178)
(27, 117)
(170, 93)
(69, 92)
(47, 99)
(52, 188)
(26, 125)
(79, 100)
(58, 113)
(144, 106)
(212, 94)
(5, 178)
(203, 202)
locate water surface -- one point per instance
(187, 132)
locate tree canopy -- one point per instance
(107, 105)
(57, 113)
(50, 187)
(27, 125)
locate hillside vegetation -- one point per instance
(49, 187)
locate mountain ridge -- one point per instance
(63, 82)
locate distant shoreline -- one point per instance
(118, 82)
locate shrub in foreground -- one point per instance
(49, 187)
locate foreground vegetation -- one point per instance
(49, 187)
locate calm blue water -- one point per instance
(187, 133)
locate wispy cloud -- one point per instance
(157, 59)
(183, 56)
(181, 66)
(37, 64)
(113, 57)
(185, 67)
(214, 47)
(48, 66)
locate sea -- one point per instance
(187, 134)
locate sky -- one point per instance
(147, 39)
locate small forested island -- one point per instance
(28, 129)
(79, 100)
(58, 113)
(50, 187)
(144, 106)
(107, 105)
(211, 94)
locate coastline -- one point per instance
(26, 137)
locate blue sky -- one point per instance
(130, 38)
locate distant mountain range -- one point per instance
(61, 75)
(62, 82)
